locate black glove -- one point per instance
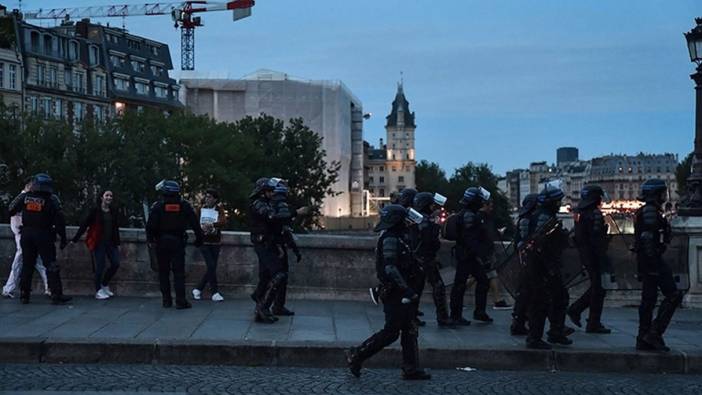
(409, 296)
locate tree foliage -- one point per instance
(430, 177)
(131, 153)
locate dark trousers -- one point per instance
(522, 300)
(547, 298)
(105, 250)
(593, 298)
(211, 254)
(269, 264)
(465, 269)
(652, 282)
(281, 295)
(432, 276)
(399, 322)
(39, 243)
(170, 253)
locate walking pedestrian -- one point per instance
(212, 219)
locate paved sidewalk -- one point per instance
(139, 330)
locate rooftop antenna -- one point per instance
(123, 23)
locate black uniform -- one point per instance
(395, 269)
(652, 233)
(591, 239)
(425, 243)
(42, 221)
(473, 247)
(284, 240)
(264, 222)
(547, 293)
(168, 220)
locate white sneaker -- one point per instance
(108, 291)
(47, 292)
(197, 294)
(8, 295)
(100, 295)
(217, 297)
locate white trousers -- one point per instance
(14, 278)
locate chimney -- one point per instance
(381, 143)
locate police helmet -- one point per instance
(653, 191)
(590, 195)
(422, 201)
(550, 194)
(528, 204)
(472, 196)
(42, 182)
(168, 187)
(390, 216)
(407, 196)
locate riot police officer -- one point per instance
(42, 221)
(264, 221)
(284, 240)
(521, 302)
(652, 234)
(546, 288)
(425, 244)
(395, 269)
(473, 248)
(165, 229)
(591, 240)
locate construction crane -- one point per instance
(181, 12)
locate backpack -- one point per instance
(451, 228)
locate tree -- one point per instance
(430, 177)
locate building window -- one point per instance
(381, 180)
(99, 86)
(382, 168)
(78, 85)
(98, 113)
(121, 84)
(370, 180)
(141, 88)
(41, 73)
(154, 50)
(34, 38)
(401, 179)
(33, 105)
(116, 61)
(72, 50)
(154, 70)
(53, 76)
(46, 107)
(13, 76)
(160, 92)
(138, 66)
(93, 55)
(78, 111)
(394, 168)
(134, 44)
(382, 192)
(48, 45)
(58, 108)
(2, 75)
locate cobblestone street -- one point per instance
(48, 379)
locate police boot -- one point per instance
(356, 355)
(183, 305)
(558, 338)
(537, 344)
(574, 317)
(24, 297)
(410, 356)
(482, 316)
(597, 328)
(279, 304)
(59, 299)
(263, 312)
(518, 328)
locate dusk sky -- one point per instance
(502, 82)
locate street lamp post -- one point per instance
(692, 207)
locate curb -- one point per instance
(313, 354)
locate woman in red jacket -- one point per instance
(102, 224)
